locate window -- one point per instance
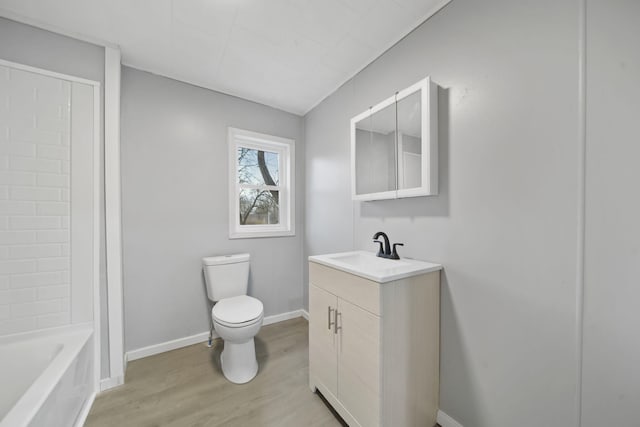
(261, 190)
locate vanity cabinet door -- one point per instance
(359, 352)
(323, 365)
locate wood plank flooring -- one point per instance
(185, 387)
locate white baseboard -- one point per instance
(201, 337)
(269, 320)
(446, 421)
(107, 383)
(84, 412)
(167, 346)
(305, 314)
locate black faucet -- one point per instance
(386, 251)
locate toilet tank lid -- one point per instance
(225, 259)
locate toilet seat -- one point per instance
(237, 312)
(238, 325)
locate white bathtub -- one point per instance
(46, 377)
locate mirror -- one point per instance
(375, 147)
(409, 141)
(394, 146)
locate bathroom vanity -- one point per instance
(374, 337)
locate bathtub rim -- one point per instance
(25, 409)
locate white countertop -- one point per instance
(368, 265)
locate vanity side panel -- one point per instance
(362, 292)
(411, 350)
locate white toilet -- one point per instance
(237, 317)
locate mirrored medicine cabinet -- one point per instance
(394, 146)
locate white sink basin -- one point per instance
(368, 265)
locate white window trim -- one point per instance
(286, 149)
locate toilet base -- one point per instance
(238, 361)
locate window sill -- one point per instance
(260, 234)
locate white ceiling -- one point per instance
(289, 54)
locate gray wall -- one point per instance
(32, 46)
(611, 379)
(175, 199)
(504, 224)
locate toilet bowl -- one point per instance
(237, 320)
(236, 317)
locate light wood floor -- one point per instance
(186, 387)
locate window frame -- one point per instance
(285, 148)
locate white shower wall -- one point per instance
(35, 193)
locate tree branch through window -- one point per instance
(258, 168)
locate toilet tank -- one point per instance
(226, 275)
